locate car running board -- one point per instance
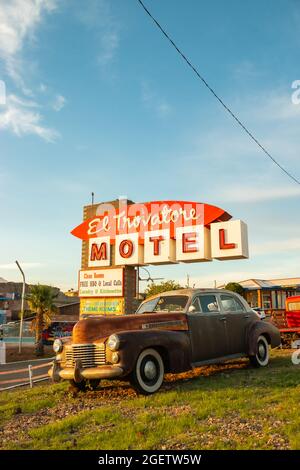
(217, 360)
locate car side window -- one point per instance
(195, 306)
(209, 303)
(231, 304)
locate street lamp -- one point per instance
(147, 279)
(22, 307)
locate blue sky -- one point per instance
(97, 100)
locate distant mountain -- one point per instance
(2, 280)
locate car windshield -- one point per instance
(170, 303)
(293, 306)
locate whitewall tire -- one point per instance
(148, 374)
(262, 357)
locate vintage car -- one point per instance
(170, 332)
(293, 311)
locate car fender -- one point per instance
(173, 345)
(257, 329)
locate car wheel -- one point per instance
(261, 359)
(80, 386)
(148, 374)
(92, 384)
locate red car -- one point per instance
(293, 311)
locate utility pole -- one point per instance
(22, 307)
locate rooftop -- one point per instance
(252, 284)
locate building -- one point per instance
(11, 297)
(271, 293)
(10, 300)
(67, 308)
(71, 293)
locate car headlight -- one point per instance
(57, 346)
(113, 342)
(115, 358)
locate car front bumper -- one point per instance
(78, 374)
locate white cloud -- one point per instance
(109, 44)
(43, 88)
(16, 100)
(163, 109)
(278, 246)
(256, 193)
(154, 102)
(21, 119)
(279, 106)
(231, 166)
(96, 15)
(2, 93)
(59, 102)
(246, 70)
(18, 22)
(13, 266)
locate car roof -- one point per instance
(293, 298)
(190, 292)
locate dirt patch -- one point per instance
(232, 429)
(13, 355)
(18, 427)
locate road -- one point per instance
(17, 373)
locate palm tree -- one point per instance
(41, 301)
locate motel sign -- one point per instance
(161, 232)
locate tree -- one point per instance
(153, 289)
(41, 302)
(235, 287)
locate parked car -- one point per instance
(57, 330)
(287, 321)
(260, 312)
(170, 332)
(293, 311)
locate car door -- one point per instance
(237, 321)
(207, 327)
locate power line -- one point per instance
(216, 95)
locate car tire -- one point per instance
(262, 357)
(148, 374)
(84, 385)
(79, 386)
(92, 384)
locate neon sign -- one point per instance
(162, 232)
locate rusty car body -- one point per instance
(171, 332)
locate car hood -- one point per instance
(94, 329)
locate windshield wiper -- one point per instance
(146, 311)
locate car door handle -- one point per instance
(223, 319)
(246, 316)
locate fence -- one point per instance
(27, 371)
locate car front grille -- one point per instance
(90, 355)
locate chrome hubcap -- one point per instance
(150, 370)
(261, 350)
